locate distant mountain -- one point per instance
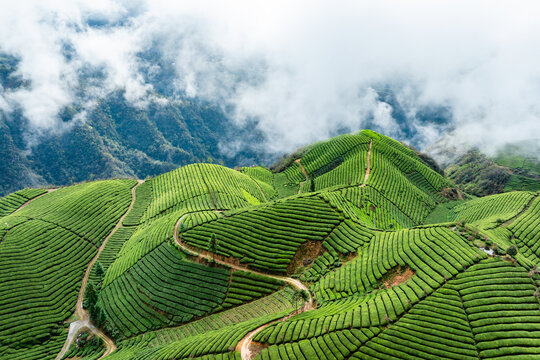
(116, 139)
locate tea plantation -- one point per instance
(351, 248)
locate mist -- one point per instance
(301, 71)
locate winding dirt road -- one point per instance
(84, 321)
(303, 169)
(244, 345)
(368, 167)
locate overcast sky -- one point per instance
(301, 68)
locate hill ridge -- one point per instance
(209, 262)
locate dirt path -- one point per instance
(514, 218)
(368, 167)
(262, 193)
(84, 321)
(244, 344)
(303, 169)
(37, 197)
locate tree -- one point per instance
(181, 228)
(512, 250)
(90, 296)
(213, 246)
(99, 272)
(300, 297)
(304, 297)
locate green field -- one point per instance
(355, 249)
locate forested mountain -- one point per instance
(351, 248)
(116, 139)
(513, 167)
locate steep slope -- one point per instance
(44, 250)
(213, 263)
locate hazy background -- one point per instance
(300, 71)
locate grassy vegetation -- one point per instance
(44, 252)
(12, 202)
(396, 266)
(441, 213)
(522, 183)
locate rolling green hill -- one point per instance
(351, 248)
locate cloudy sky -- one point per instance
(302, 69)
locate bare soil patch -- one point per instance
(308, 250)
(452, 194)
(397, 275)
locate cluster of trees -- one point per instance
(95, 310)
(478, 175)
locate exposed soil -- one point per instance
(247, 348)
(397, 275)
(368, 164)
(452, 194)
(308, 250)
(349, 257)
(256, 348)
(244, 345)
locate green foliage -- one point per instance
(385, 285)
(246, 287)
(512, 250)
(143, 196)
(442, 212)
(203, 187)
(522, 183)
(269, 235)
(43, 259)
(509, 170)
(525, 232)
(489, 210)
(213, 245)
(12, 202)
(162, 289)
(478, 175)
(116, 139)
(87, 348)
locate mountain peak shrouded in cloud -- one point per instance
(300, 72)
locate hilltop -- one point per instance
(351, 248)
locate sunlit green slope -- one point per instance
(212, 263)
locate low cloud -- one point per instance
(302, 72)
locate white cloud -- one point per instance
(303, 69)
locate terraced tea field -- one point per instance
(354, 248)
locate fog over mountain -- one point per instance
(297, 72)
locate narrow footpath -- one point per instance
(303, 169)
(37, 197)
(368, 164)
(84, 322)
(244, 344)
